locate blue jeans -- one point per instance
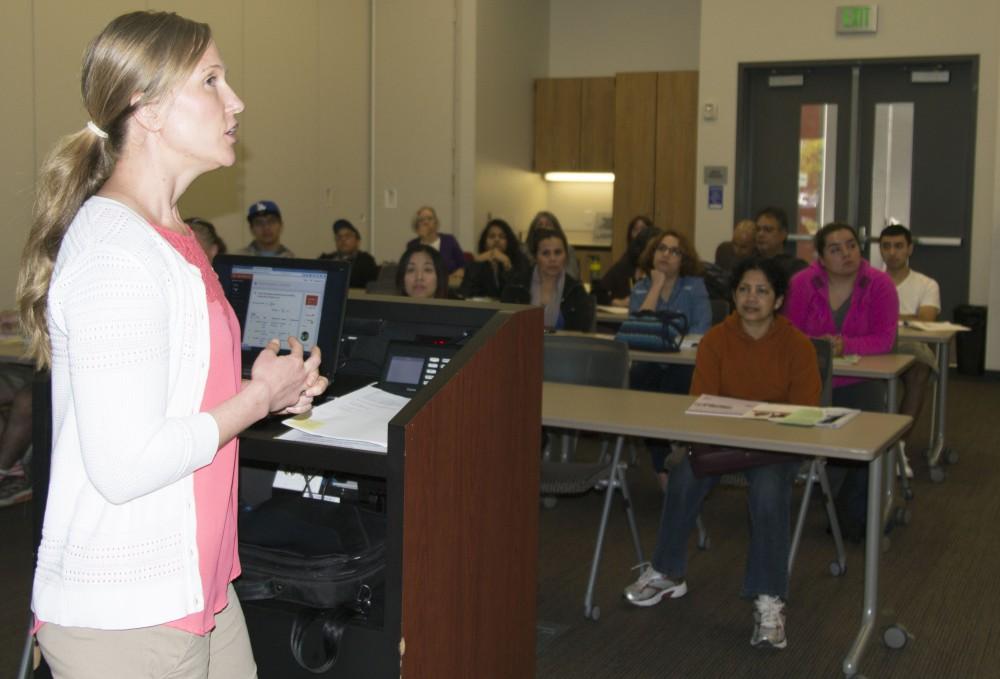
(769, 501)
(665, 379)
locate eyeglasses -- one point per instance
(669, 250)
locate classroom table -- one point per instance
(886, 367)
(624, 412)
(937, 452)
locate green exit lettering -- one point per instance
(856, 18)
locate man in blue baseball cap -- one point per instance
(265, 222)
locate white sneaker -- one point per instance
(907, 469)
(652, 586)
(768, 622)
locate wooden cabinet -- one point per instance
(656, 141)
(574, 124)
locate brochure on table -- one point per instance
(780, 413)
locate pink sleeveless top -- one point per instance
(215, 485)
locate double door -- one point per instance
(867, 143)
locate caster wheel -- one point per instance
(902, 516)
(837, 569)
(937, 474)
(549, 502)
(705, 545)
(593, 614)
(908, 493)
(951, 456)
(895, 637)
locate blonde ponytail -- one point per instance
(141, 52)
(72, 173)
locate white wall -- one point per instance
(511, 52)
(601, 38)
(17, 172)
(804, 31)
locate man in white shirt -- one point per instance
(920, 299)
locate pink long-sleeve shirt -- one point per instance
(870, 324)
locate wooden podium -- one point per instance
(461, 500)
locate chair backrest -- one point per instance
(385, 284)
(824, 358)
(720, 309)
(592, 361)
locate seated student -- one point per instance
(840, 297)
(615, 286)
(266, 225)
(348, 240)
(498, 260)
(919, 299)
(739, 247)
(547, 220)
(15, 421)
(208, 238)
(547, 283)
(755, 355)
(673, 283)
(421, 273)
(770, 237)
(427, 226)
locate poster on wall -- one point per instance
(715, 197)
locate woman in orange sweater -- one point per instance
(758, 356)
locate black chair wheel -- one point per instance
(937, 474)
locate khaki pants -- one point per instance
(159, 652)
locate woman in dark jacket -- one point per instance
(498, 261)
(567, 305)
(615, 286)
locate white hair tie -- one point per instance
(96, 130)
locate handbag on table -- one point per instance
(654, 331)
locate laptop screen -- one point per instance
(280, 297)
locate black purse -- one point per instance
(709, 460)
(328, 557)
(654, 331)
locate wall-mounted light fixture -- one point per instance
(596, 177)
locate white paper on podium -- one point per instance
(359, 419)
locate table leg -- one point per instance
(936, 451)
(889, 491)
(589, 610)
(873, 535)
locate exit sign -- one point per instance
(857, 19)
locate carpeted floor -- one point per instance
(939, 579)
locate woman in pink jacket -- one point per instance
(840, 297)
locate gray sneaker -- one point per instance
(14, 489)
(768, 622)
(652, 586)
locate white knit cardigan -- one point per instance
(128, 319)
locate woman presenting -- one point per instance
(118, 299)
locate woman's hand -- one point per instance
(836, 344)
(290, 382)
(502, 259)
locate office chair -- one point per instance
(601, 363)
(817, 471)
(385, 284)
(720, 309)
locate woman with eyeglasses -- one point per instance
(842, 298)
(673, 282)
